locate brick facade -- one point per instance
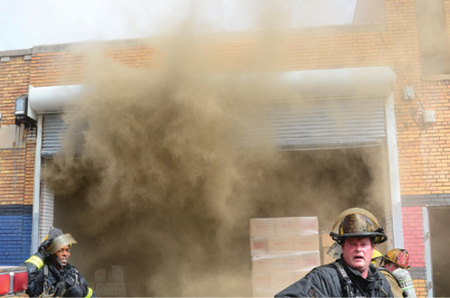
(16, 164)
(424, 151)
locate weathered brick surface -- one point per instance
(420, 287)
(14, 80)
(413, 231)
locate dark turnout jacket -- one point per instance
(327, 281)
(45, 278)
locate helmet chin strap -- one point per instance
(57, 262)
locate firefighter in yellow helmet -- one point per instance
(377, 258)
(394, 268)
(49, 271)
(352, 275)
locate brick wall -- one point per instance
(413, 232)
(62, 65)
(16, 164)
(420, 287)
(14, 79)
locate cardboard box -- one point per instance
(263, 293)
(261, 285)
(281, 280)
(267, 284)
(307, 242)
(299, 260)
(299, 274)
(283, 226)
(100, 275)
(262, 227)
(276, 261)
(291, 226)
(258, 244)
(311, 260)
(280, 244)
(114, 289)
(327, 241)
(327, 259)
(261, 280)
(263, 262)
(117, 273)
(100, 289)
(121, 289)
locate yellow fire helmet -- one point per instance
(398, 256)
(357, 222)
(377, 257)
(59, 240)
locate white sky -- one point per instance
(28, 23)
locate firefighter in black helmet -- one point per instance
(353, 275)
(49, 271)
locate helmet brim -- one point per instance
(377, 236)
(60, 242)
(354, 211)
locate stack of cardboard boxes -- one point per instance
(327, 242)
(110, 282)
(283, 250)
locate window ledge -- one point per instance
(439, 77)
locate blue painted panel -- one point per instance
(15, 234)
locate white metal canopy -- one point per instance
(321, 83)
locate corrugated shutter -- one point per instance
(321, 124)
(53, 131)
(46, 210)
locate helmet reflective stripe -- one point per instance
(36, 261)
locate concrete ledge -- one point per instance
(426, 200)
(15, 53)
(418, 273)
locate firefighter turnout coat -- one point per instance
(44, 279)
(339, 280)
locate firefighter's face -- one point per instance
(357, 253)
(63, 255)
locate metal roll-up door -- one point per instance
(321, 123)
(53, 132)
(46, 209)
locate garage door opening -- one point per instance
(164, 244)
(439, 221)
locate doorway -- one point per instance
(439, 219)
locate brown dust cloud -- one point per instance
(159, 172)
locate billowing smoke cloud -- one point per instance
(157, 173)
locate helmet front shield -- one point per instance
(357, 223)
(60, 242)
